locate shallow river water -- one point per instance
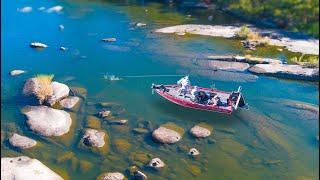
(271, 140)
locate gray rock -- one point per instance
(104, 113)
(63, 48)
(223, 65)
(156, 163)
(23, 167)
(193, 152)
(200, 132)
(140, 130)
(17, 72)
(21, 142)
(69, 102)
(38, 45)
(139, 24)
(47, 121)
(93, 138)
(109, 40)
(31, 86)
(111, 176)
(165, 135)
(60, 91)
(286, 71)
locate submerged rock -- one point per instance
(168, 133)
(61, 27)
(79, 91)
(223, 65)
(23, 167)
(21, 142)
(111, 176)
(17, 72)
(93, 122)
(193, 152)
(63, 48)
(122, 145)
(69, 102)
(47, 121)
(286, 71)
(140, 130)
(156, 163)
(60, 91)
(194, 170)
(38, 45)
(118, 122)
(201, 130)
(25, 9)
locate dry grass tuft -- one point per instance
(45, 89)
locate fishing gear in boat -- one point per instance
(201, 98)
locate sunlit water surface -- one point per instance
(268, 141)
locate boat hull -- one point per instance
(189, 104)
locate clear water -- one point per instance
(270, 141)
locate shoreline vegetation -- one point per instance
(296, 16)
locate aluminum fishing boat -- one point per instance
(212, 99)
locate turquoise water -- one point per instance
(269, 141)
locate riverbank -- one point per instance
(273, 37)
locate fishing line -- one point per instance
(143, 76)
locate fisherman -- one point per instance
(194, 93)
(184, 84)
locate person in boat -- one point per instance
(184, 84)
(194, 93)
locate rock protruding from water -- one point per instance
(286, 71)
(104, 113)
(60, 91)
(201, 130)
(193, 152)
(273, 37)
(140, 175)
(38, 45)
(69, 102)
(156, 163)
(245, 59)
(109, 40)
(93, 138)
(223, 65)
(21, 142)
(23, 167)
(168, 133)
(111, 176)
(47, 121)
(17, 72)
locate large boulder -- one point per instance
(111, 176)
(47, 121)
(223, 65)
(21, 142)
(201, 130)
(60, 91)
(23, 167)
(286, 71)
(31, 87)
(69, 102)
(168, 133)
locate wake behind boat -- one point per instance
(201, 98)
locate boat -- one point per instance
(227, 102)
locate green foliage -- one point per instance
(243, 33)
(308, 61)
(295, 15)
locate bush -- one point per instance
(309, 61)
(45, 88)
(243, 33)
